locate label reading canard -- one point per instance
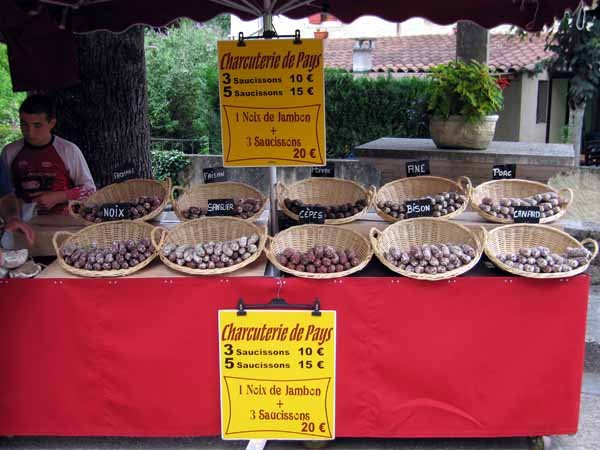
(527, 214)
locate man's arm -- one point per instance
(10, 211)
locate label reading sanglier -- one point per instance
(221, 207)
(417, 168)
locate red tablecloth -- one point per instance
(472, 356)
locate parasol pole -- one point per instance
(268, 31)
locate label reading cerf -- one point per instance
(311, 214)
(115, 211)
(214, 175)
(124, 172)
(220, 207)
(417, 168)
(418, 208)
(326, 171)
(527, 214)
(504, 171)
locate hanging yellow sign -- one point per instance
(277, 375)
(272, 102)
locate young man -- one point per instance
(10, 211)
(46, 169)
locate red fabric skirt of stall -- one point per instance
(138, 357)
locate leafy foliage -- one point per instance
(168, 163)
(577, 51)
(466, 89)
(181, 63)
(362, 109)
(9, 103)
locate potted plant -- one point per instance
(463, 103)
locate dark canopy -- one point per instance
(42, 51)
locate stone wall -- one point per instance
(259, 176)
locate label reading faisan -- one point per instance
(277, 375)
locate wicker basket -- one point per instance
(326, 192)
(199, 195)
(305, 237)
(426, 230)
(125, 192)
(208, 229)
(404, 189)
(497, 189)
(510, 238)
(103, 234)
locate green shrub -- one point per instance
(359, 110)
(168, 163)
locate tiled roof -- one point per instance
(408, 54)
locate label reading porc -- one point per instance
(418, 208)
(115, 211)
(326, 171)
(277, 374)
(504, 171)
(527, 214)
(417, 168)
(221, 207)
(214, 175)
(311, 214)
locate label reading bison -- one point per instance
(277, 374)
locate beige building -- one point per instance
(535, 106)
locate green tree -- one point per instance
(576, 45)
(9, 103)
(181, 63)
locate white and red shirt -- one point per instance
(57, 166)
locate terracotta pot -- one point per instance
(456, 133)
(321, 34)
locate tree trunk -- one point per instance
(107, 114)
(576, 116)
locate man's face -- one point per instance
(36, 128)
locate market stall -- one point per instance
(119, 335)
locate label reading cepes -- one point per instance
(277, 375)
(272, 103)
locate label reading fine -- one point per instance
(311, 214)
(504, 171)
(220, 207)
(417, 168)
(214, 175)
(115, 211)
(327, 171)
(277, 375)
(527, 214)
(272, 102)
(418, 208)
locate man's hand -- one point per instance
(47, 200)
(16, 224)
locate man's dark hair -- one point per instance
(39, 104)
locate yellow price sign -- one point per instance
(272, 103)
(277, 375)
